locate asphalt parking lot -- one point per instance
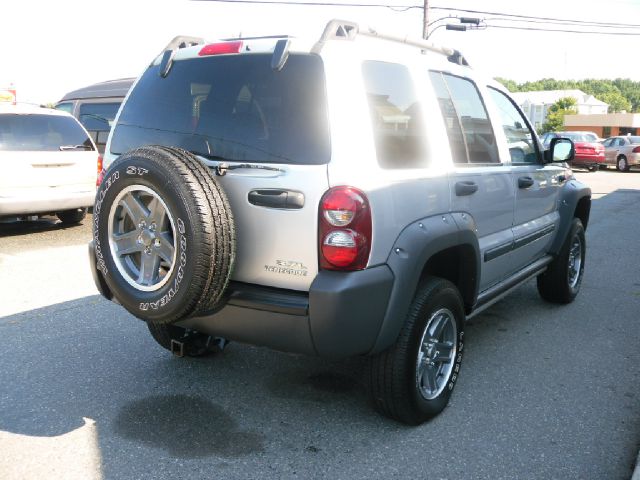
(545, 391)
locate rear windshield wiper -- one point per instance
(75, 147)
(223, 167)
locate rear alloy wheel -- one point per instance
(164, 234)
(412, 381)
(71, 217)
(622, 164)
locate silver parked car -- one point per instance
(623, 152)
(361, 195)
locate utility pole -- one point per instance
(425, 20)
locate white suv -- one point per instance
(48, 164)
(361, 195)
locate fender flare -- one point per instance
(413, 248)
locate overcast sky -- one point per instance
(51, 47)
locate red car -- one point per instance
(589, 152)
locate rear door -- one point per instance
(266, 130)
(481, 184)
(42, 151)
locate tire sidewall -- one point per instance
(168, 302)
(447, 298)
(577, 230)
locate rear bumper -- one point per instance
(581, 159)
(339, 317)
(45, 201)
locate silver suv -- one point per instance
(360, 195)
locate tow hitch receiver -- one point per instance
(194, 343)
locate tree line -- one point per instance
(622, 94)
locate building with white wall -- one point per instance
(536, 104)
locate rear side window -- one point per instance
(470, 133)
(98, 118)
(396, 115)
(41, 132)
(231, 107)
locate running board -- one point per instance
(500, 290)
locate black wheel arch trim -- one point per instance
(574, 201)
(414, 247)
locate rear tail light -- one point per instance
(221, 48)
(344, 229)
(636, 150)
(101, 171)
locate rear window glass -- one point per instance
(41, 132)
(396, 115)
(231, 107)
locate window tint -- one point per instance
(396, 115)
(470, 134)
(65, 107)
(608, 142)
(234, 107)
(40, 132)
(98, 116)
(520, 138)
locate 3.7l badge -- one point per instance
(288, 267)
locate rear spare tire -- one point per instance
(164, 234)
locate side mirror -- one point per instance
(560, 150)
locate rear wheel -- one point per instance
(71, 217)
(413, 380)
(561, 281)
(622, 164)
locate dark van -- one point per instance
(96, 106)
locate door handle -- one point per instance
(466, 188)
(276, 198)
(525, 182)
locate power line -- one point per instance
(547, 19)
(497, 15)
(564, 31)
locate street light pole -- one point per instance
(425, 20)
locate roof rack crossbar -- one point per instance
(183, 41)
(346, 30)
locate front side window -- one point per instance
(231, 107)
(36, 132)
(396, 115)
(520, 139)
(468, 127)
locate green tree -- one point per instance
(557, 111)
(617, 102)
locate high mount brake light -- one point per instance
(344, 229)
(221, 48)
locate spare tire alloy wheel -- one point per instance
(142, 238)
(164, 234)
